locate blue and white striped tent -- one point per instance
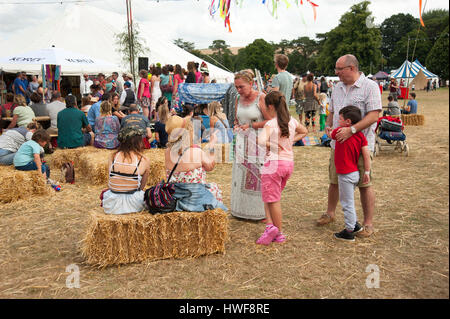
(410, 70)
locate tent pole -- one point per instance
(130, 40)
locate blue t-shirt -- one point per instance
(20, 83)
(25, 154)
(93, 113)
(413, 106)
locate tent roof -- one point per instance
(410, 70)
(381, 75)
(91, 31)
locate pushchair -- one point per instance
(390, 130)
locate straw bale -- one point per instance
(157, 165)
(123, 239)
(413, 119)
(15, 184)
(94, 165)
(61, 156)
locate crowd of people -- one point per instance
(115, 114)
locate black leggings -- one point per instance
(310, 117)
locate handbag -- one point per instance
(159, 198)
(166, 88)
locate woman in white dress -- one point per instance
(155, 89)
(250, 115)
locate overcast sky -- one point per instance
(191, 21)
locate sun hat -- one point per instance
(176, 126)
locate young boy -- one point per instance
(346, 159)
(28, 156)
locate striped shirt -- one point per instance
(364, 94)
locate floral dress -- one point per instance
(197, 175)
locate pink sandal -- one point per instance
(268, 236)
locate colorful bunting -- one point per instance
(224, 6)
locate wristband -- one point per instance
(366, 172)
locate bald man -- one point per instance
(353, 89)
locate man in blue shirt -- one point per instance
(94, 111)
(20, 84)
(411, 107)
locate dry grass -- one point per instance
(41, 236)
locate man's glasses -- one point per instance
(340, 69)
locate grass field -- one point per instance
(40, 236)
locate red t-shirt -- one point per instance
(346, 154)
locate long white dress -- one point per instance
(156, 93)
(246, 200)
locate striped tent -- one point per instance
(410, 70)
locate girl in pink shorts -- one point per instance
(278, 136)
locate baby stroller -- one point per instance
(390, 129)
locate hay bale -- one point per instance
(157, 166)
(94, 164)
(61, 156)
(413, 119)
(123, 239)
(16, 185)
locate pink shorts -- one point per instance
(274, 176)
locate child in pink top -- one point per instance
(278, 135)
(143, 94)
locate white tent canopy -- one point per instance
(410, 70)
(91, 31)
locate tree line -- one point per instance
(377, 47)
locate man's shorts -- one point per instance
(333, 176)
(274, 175)
(299, 107)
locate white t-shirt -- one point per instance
(53, 109)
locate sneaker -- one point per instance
(367, 231)
(279, 238)
(358, 228)
(269, 234)
(345, 235)
(324, 219)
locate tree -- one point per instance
(185, 45)
(437, 60)
(220, 47)
(353, 36)
(392, 30)
(138, 46)
(435, 21)
(257, 55)
(303, 55)
(419, 44)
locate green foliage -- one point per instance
(258, 54)
(185, 45)
(435, 21)
(437, 60)
(138, 44)
(351, 36)
(392, 30)
(418, 40)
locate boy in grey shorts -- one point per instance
(346, 157)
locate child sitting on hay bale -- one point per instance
(411, 107)
(128, 174)
(28, 157)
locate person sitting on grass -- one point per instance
(116, 108)
(411, 107)
(28, 156)
(12, 139)
(128, 174)
(346, 157)
(71, 122)
(107, 127)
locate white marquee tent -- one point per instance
(91, 31)
(410, 70)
